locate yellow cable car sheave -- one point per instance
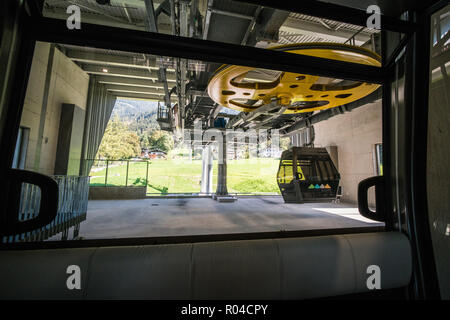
(247, 88)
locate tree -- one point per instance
(161, 140)
(144, 140)
(118, 142)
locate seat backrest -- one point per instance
(290, 268)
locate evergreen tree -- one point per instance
(118, 142)
(160, 140)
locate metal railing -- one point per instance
(72, 209)
(97, 165)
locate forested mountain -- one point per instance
(128, 109)
(140, 116)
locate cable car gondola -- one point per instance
(314, 178)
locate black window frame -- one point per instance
(35, 28)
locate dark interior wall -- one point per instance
(68, 153)
(438, 172)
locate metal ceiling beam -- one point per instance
(164, 7)
(335, 12)
(267, 26)
(123, 72)
(129, 82)
(267, 119)
(53, 30)
(135, 89)
(151, 19)
(99, 12)
(201, 93)
(251, 25)
(203, 110)
(59, 13)
(134, 3)
(127, 13)
(139, 96)
(130, 3)
(111, 60)
(119, 71)
(308, 28)
(244, 118)
(230, 14)
(194, 15)
(207, 19)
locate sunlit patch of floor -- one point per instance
(351, 213)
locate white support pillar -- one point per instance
(207, 170)
(222, 168)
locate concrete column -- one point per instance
(207, 170)
(43, 113)
(333, 152)
(222, 168)
(235, 148)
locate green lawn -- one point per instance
(184, 176)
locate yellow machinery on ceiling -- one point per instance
(247, 89)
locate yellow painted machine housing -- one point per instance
(301, 92)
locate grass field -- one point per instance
(184, 176)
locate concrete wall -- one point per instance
(355, 135)
(115, 193)
(68, 84)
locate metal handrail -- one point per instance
(127, 171)
(72, 208)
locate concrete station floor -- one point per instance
(153, 217)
